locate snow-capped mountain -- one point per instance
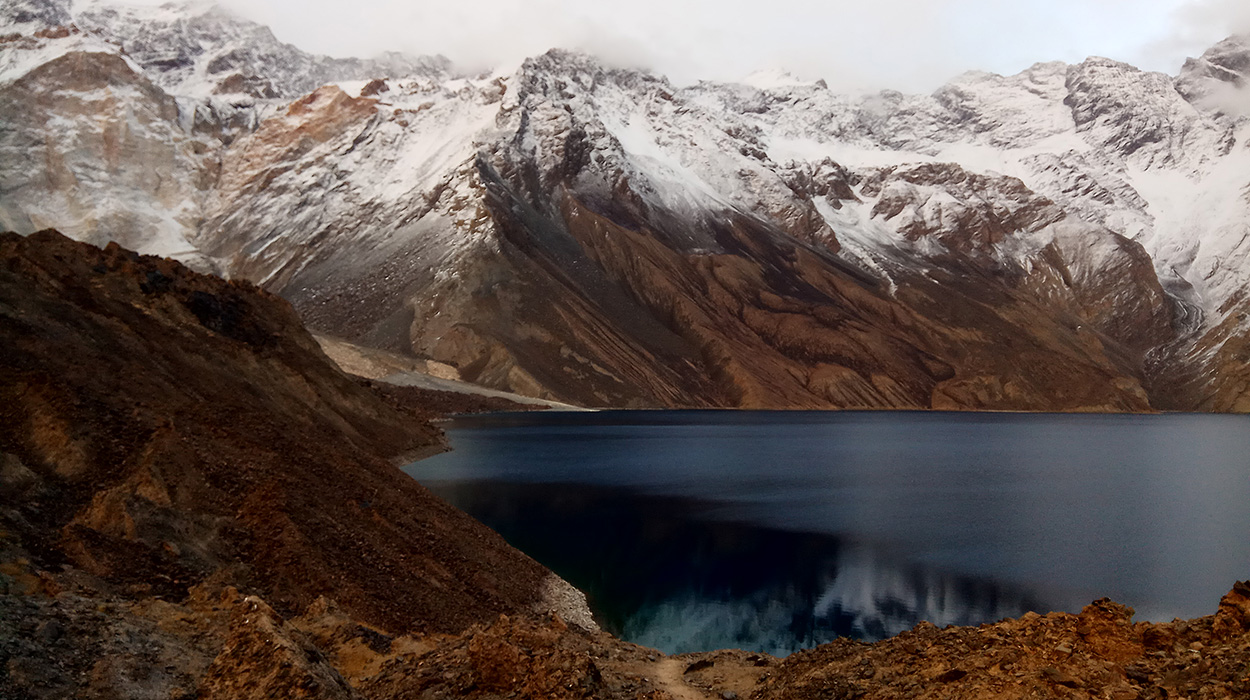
(1071, 237)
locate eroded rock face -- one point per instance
(94, 147)
(966, 212)
(568, 249)
(597, 235)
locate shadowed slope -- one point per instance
(180, 427)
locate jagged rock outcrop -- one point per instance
(1068, 238)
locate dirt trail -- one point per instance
(670, 677)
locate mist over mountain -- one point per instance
(1072, 237)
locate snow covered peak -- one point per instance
(1227, 61)
(199, 49)
(776, 78)
(1140, 115)
(561, 74)
(175, 41)
(1017, 110)
(1041, 176)
(1219, 81)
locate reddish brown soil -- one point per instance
(1097, 654)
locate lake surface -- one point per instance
(698, 530)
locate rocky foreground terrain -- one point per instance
(198, 503)
(1073, 237)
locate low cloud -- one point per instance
(1194, 27)
(1228, 99)
(1202, 18)
(911, 45)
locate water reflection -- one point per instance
(665, 573)
(687, 527)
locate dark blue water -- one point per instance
(778, 531)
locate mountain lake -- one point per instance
(776, 531)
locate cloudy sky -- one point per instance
(912, 45)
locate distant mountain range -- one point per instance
(1074, 237)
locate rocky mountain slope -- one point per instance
(1069, 238)
(161, 428)
(197, 504)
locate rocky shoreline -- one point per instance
(198, 504)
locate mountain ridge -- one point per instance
(600, 236)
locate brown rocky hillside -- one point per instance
(162, 428)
